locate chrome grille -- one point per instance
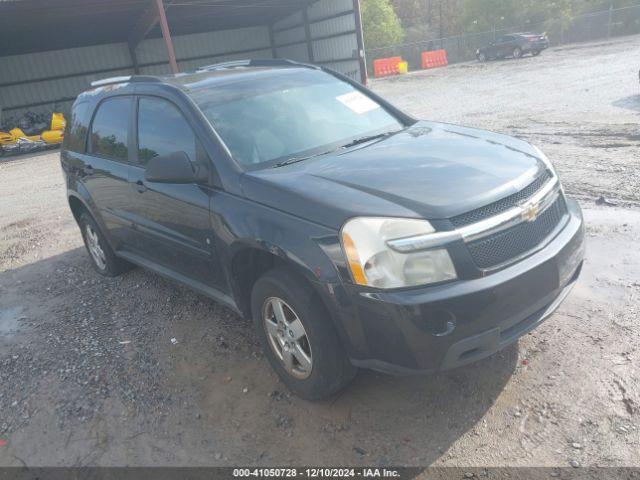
(510, 244)
(502, 205)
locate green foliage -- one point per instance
(483, 15)
(390, 22)
(380, 24)
(436, 18)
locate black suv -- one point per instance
(513, 45)
(352, 234)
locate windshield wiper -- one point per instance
(366, 139)
(352, 143)
(291, 160)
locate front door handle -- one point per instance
(87, 170)
(140, 187)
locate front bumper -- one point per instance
(442, 327)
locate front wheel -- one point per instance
(482, 57)
(535, 53)
(517, 52)
(298, 336)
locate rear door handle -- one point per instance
(140, 187)
(87, 170)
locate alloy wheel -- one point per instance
(93, 245)
(287, 337)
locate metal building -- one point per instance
(50, 50)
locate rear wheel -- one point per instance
(102, 257)
(517, 52)
(535, 53)
(298, 337)
(482, 57)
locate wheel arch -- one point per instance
(79, 203)
(77, 206)
(250, 261)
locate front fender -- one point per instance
(307, 246)
(310, 249)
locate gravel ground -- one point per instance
(90, 374)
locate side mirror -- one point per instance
(174, 168)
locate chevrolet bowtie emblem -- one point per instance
(530, 212)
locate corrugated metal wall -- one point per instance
(51, 80)
(68, 72)
(330, 39)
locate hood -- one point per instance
(429, 170)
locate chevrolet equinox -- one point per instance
(354, 235)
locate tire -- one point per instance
(535, 53)
(517, 52)
(103, 260)
(482, 57)
(317, 364)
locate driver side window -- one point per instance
(163, 130)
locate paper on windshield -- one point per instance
(358, 102)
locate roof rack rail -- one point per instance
(124, 79)
(268, 62)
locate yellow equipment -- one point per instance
(6, 138)
(18, 133)
(16, 140)
(52, 137)
(56, 134)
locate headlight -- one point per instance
(373, 262)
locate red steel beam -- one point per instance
(166, 34)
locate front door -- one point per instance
(172, 221)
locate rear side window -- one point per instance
(162, 129)
(110, 129)
(75, 137)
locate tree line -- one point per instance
(390, 22)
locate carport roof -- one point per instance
(41, 25)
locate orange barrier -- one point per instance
(434, 59)
(383, 67)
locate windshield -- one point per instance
(288, 115)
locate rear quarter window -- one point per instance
(75, 137)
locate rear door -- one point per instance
(172, 221)
(106, 164)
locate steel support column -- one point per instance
(360, 39)
(166, 34)
(134, 60)
(272, 41)
(307, 34)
